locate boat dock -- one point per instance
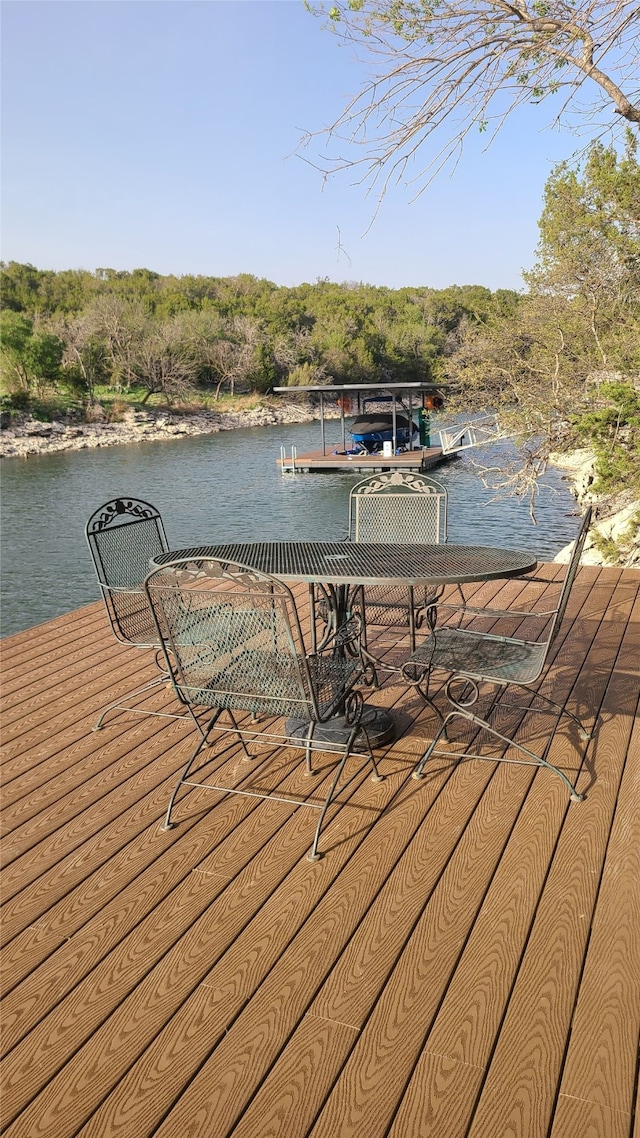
(464, 962)
(400, 451)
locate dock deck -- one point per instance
(463, 963)
(317, 461)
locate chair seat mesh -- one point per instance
(482, 656)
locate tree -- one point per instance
(454, 65)
(20, 286)
(32, 359)
(589, 250)
(232, 353)
(16, 331)
(564, 369)
(120, 326)
(85, 357)
(164, 363)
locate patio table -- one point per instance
(341, 567)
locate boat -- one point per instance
(372, 430)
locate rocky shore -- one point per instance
(28, 436)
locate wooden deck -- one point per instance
(463, 962)
(315, 461)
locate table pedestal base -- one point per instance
(379, 724)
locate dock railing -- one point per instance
(472, 434)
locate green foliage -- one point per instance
(30, 359)
(562, 363)
(590, 232)
(44, 357)
(15, 332)
(45, 407)
(20, 286)
(612, 430)
(174, 334)
(14, 403)
(303, 375)
(73, 380)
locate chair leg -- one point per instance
(531, 760)
(558, 710)
(120, 705)
(314, 854)
(418, 772)
(308, 747)
(168, 824)
(376, 776)
(238, 732)
(421, 684)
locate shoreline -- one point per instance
(28, 436)
(616, 517)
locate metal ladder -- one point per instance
(288, 466)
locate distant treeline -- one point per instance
(77, 330)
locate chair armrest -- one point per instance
(419, 664)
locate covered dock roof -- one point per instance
(418, 388)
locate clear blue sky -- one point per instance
(164, 135)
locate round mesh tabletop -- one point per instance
(359, 563)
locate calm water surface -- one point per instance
(223, 487)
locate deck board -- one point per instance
(464, 961)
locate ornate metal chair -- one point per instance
(237, 646)
(475, 657)
(401, 508)
(123, 536)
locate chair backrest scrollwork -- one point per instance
(400, 507)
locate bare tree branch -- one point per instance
(454, 66)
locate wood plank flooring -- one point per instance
(464, 961)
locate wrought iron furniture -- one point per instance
(398, 507)
(237, 646)
(475, 656)
(341, 568)
(123, 536)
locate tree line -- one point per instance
(177, 336)
(563, 368)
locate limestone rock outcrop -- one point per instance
(614, 537)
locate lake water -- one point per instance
(222, 487)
